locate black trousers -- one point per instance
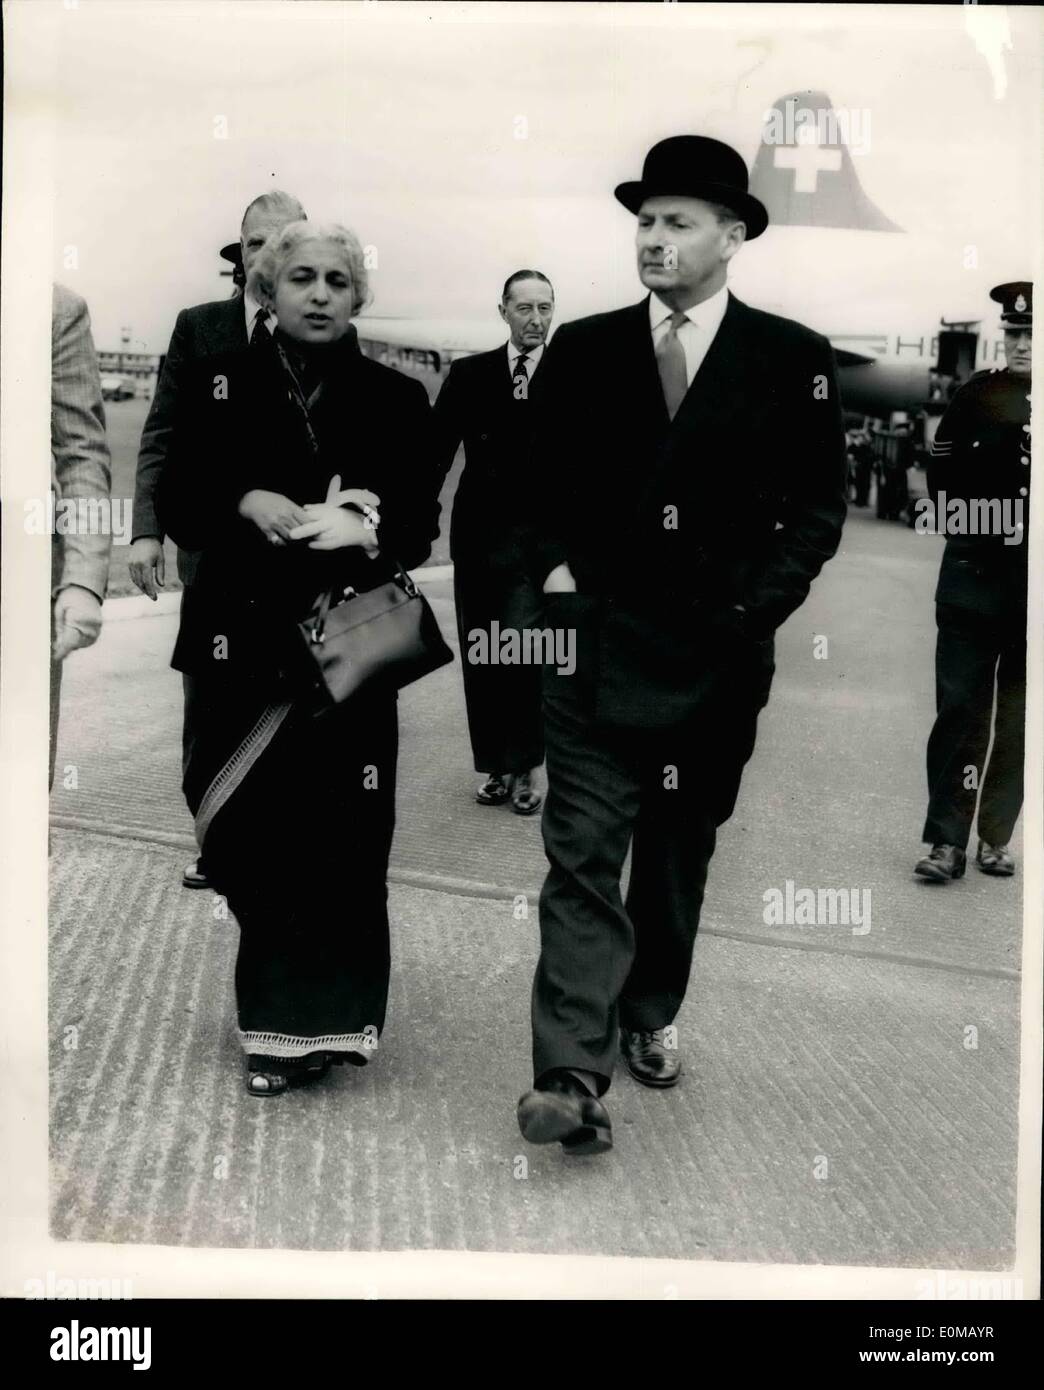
(502, 701)
(980, 680)
(606, 963)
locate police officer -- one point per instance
(980, 470)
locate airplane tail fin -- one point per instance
(803, 171)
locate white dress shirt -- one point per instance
(697, 334)
(532, 355)
(251, 309)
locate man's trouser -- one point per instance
(502, 700)
(976, 657)
(606, 963)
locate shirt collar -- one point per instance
(708, 314)
(251, 309)
(533, 354)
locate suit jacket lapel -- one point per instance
(635, 362)
(720, 392)
(226, 326)
(722, 384)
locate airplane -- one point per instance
(870, 274)
(870, 294)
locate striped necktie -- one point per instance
(670, 360)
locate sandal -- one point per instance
(271, 1076)
(494, 791)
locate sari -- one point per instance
(294, 820)
(294, 811)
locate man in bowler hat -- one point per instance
(980, 461)
(694, 480)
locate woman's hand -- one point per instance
(560, 580)
(274, 515)
(330, 525)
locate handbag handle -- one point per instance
(401, 577)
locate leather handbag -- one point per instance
(383, 638)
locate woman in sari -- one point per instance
(297, 465)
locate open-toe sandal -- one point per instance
(270, 1076)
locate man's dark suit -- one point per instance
(477, 405)
(203, 331)
(650, 735)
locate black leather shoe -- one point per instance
(562, 1110)
(524, 800)
(942, 863)
(995, 859)
(194, 877)
(648, 1059)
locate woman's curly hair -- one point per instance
(280, 246)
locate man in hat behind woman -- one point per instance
(693, 462)
(202, 331)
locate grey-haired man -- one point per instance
(202, 331)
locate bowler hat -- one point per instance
(694, 166)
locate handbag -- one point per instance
(383, 638)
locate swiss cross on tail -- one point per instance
(804, 173)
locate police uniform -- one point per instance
(981, 451)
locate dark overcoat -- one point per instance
(235, 429)
(668, 525)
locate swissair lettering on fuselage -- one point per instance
(911, 347)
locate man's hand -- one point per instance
(77, 620)
(274, 515)
(560, 581)
(147, 565)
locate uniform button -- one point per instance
(1025, 460)
(975, 443)
(1023, 491)
(1026, 428)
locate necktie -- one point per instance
(260, 332)
(520, 375)
(670, 359)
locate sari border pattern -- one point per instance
(237, 767)
(289, 1045)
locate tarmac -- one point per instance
(848, 1097)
